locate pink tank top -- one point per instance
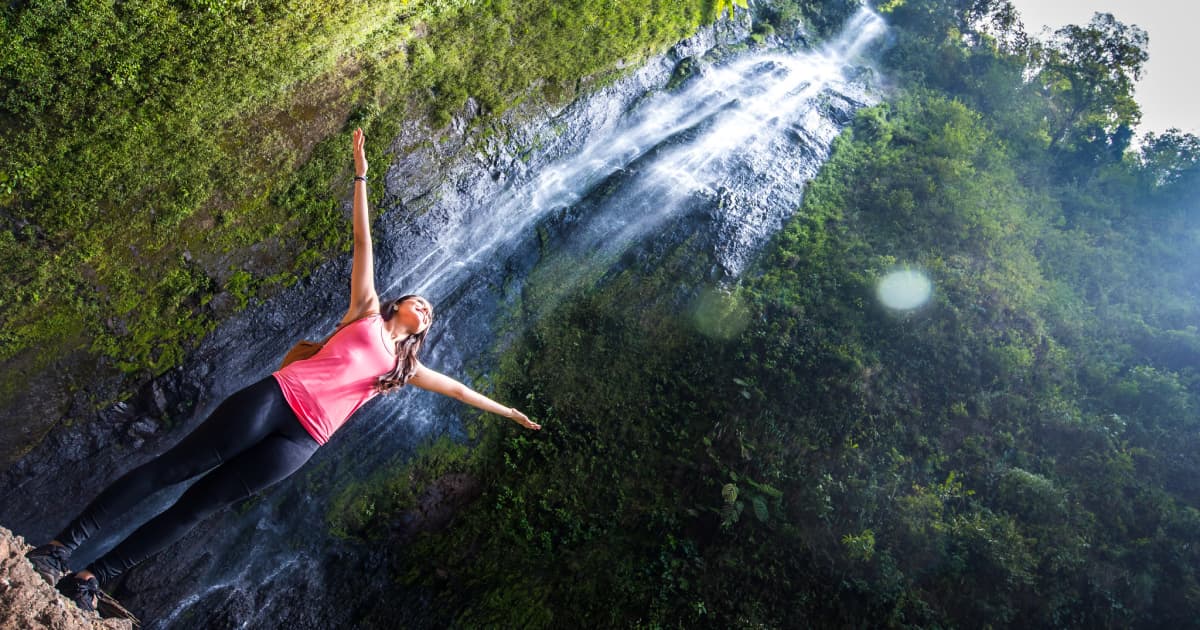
(327, 388)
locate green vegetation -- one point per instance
(1022, 451)
(203, 140)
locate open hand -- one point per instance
(523, 420)
(360, 157)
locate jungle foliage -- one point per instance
(1021, 451)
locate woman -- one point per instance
(264, 433)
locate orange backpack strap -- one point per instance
(305, 349)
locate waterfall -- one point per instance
(742, 136)
(755, 101)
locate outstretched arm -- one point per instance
(363, 299)
(435, 381)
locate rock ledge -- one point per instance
(26, 601)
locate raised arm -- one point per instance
(363, 299)
(435, 381)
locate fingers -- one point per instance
(360, 159)
(524, 421)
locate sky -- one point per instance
(1168, 92)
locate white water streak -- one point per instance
(744, 101)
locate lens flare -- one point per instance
(720, 315)
(904, 289)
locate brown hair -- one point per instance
(406, 352)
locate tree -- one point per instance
(1086, 74)
(1170, 158)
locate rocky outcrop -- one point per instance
(28, 602)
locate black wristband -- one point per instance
(360, 178)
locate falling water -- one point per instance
(743, 137)
(748, 107)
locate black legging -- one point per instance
(251, 441)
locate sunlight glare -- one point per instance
(719, 314)
(904, 289)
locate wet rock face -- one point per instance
(268, 562)
(30, 413)
(438, 179)
(433, 187)
(436, 506)
(27, 601)
(54, 481)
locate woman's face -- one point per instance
(416, 313)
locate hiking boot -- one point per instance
(50, 562)
(83, 592)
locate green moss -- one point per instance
(355, 512)
(141, 134)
